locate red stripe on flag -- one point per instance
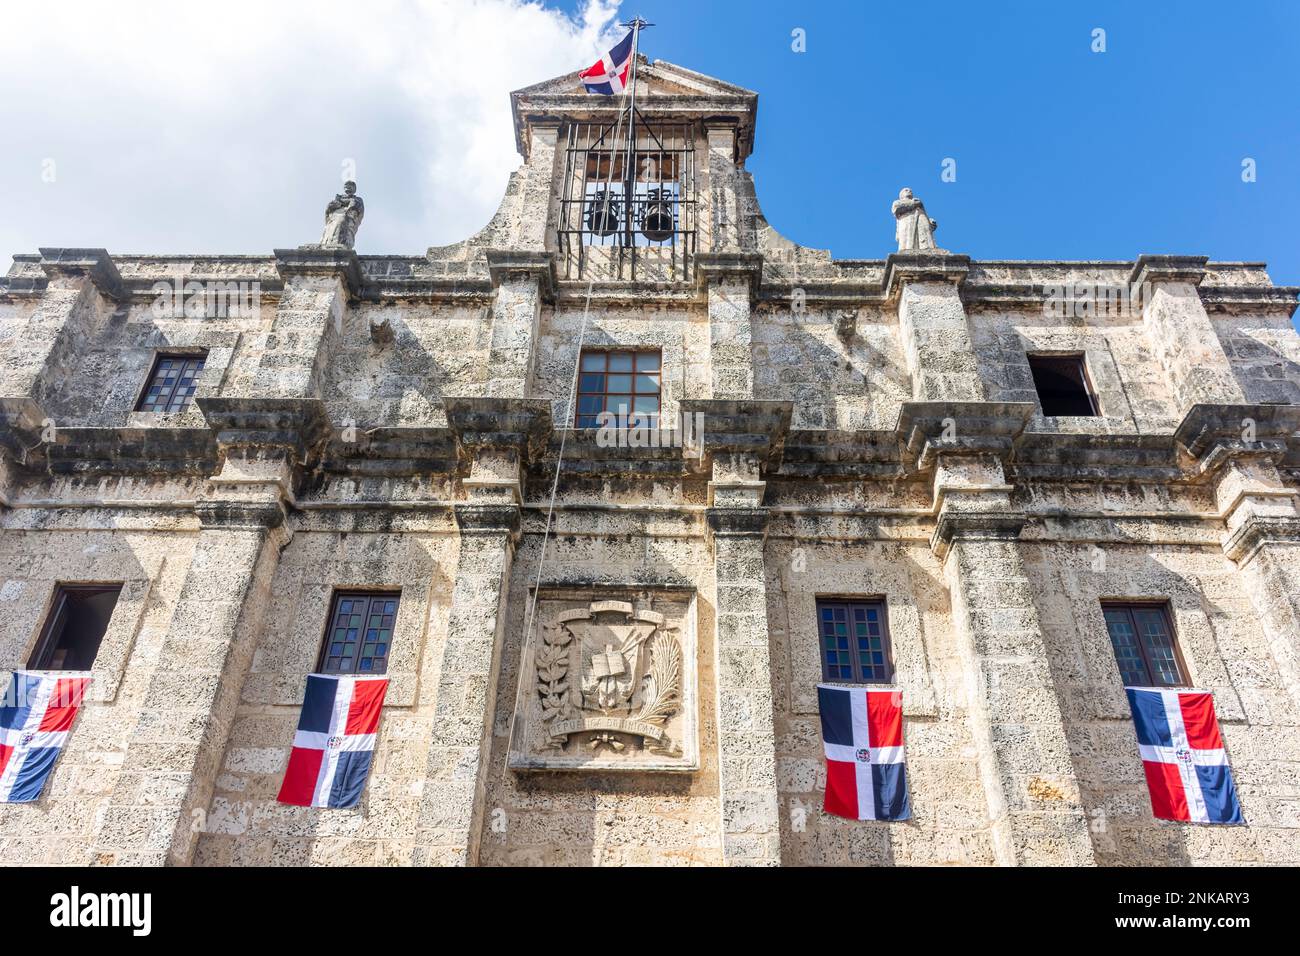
(64, 701)
(1198, 718)
(885, 718)
(841, 789)
(363, 713)
(300, 776)
(1168, 799)
(5, 754)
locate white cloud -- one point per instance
(223, 127)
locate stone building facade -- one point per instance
(868, 431)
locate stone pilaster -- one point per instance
(318, 284)
(495, 438)
(731, 282)
(157, 808)
(932, 321)
(84, 286)
(741, 438)
(158, 805)
(1180, 330)
(521, 281)
(1035, 808)
(1238, 448)
(725, 219)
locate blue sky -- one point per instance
(1060, 152)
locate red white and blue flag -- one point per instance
(36, 715)
(608, 75)
(1183, 756)
(862, 732)
(330, 760)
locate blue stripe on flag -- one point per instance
(889, 781)
(620, 52)
(32, 775)
(1149, 718)
(837, 715)
(318, 704)
(350, 780)
(1220, 795)
(17, 702)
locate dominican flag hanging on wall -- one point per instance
(330, 760)
(36, 715)
(1183, 756)
(862, 733)
(608, 75)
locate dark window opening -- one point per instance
(1062, 385)
(624, 383)
(172, 383)
(854, 639)
(1144, 644)
(76, 626)
(360, 633)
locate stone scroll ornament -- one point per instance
(613, 672)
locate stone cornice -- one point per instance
(95, 264)
(927, 430)
(299, 426)
(1259, 530)
(738, 522)
(750, 427)
(240, 515)
(1153, 269)
(488, 519)
(974, 526)
(504, 263)
(1212, 434)
(521, 424)
(322, 262)
(903, 267)
(715, 266)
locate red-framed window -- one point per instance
(623, 382)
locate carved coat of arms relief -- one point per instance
(610, 682)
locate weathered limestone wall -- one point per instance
(244, 824)
(1226, 651)
(573, 818)
(152, 561)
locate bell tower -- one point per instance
(643, 181)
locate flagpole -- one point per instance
(636, 25)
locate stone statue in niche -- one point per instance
(343, 218)
(914, 229)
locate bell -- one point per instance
(657, 226)
(602, 216)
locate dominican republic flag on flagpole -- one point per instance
(862, 732)
(36, 715)
(1183, 756)
(609, 74)
(330, 760)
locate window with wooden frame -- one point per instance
(171, 383)
(625, 383)
(360, 632)
(1145, 647)
(75, 627)
(1062, 385)
(854, 641)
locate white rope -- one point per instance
(570, 417)
(571, 412)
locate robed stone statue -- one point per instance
(914, 229)
(343, 217)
